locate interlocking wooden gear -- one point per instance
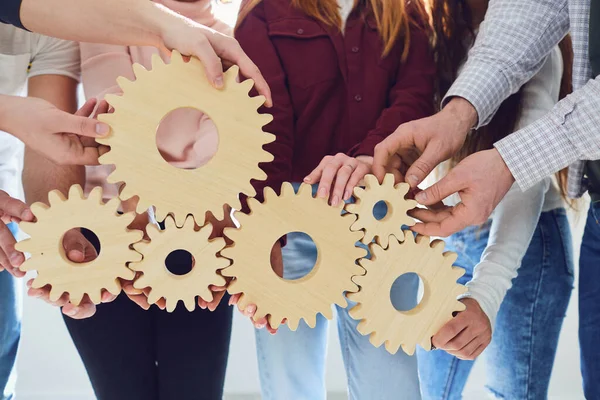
(171, 287)
(48, 256)
(397, 206)
(138, 113)
(314, 293)
(374, 308)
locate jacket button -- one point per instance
(355, 49)
(300, 31)
(358, 97)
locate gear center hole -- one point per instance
(403, 292)
(187, 138)
(303, 260)
(180, 262)
(381, 209)
(81, 245)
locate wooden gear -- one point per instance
(138, 113)
(314, 293)
(374, 308)
(171, 287)
(48, 256)
(396, 217)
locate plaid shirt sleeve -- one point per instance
(570, 132)
(511, 47)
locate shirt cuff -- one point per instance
(10, 12)
(538, 150)
(482, 86)
(489, 308)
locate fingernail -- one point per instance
(27, 215)
(322, 193)
(335, 200)
(347, 194)
(101, 129)
(307, 179)
(37, 295)
(261, 326)
(15, 258)
(413, 180)
(71, 312)
(219, 82)
(421, 197)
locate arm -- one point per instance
(511, 47)
(101, 65)
(410, 98)
(138, 22)
(254, 39)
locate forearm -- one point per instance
(131, 22)
(511, 47)
(567, 134)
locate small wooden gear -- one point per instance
(314, 293)
(378, 316)
(397, 206)
(140, 110)
(171, 287)
(48, 256)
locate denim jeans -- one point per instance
(520, 357)
(292, 364)
(589, 304)
(10, 328)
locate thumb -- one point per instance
(80, 123)
(77, 248)
(437, 192)
(423, 166)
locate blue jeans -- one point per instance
(292, 364)
(589, 304)
(520, 357)
(10, 328)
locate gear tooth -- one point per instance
(140, 246)
(269, 138)
(376, 251)
(55, 197)
(402, 188)
(457, 272)
(107, 158)
(426, 343)
(438, 245)
(153, 296)
(246, 86)
(371, 181)
(76, 191)
(113, 205)
(109, 119)
(459, 305)
(56, 293)
(363, 327)
(139, 71)
(311, 320)
(230, 76)
(95, 296)
(411, 239)
(408, 349)
(253, 203)
(327, 313)
(265, 119)
(115, 101)
(39, 282)
(423, 241)
(142, 282)
(269, 194)
(153, 233)
(450, 257)
(287, 189)
(95, 195)
(257, 101)
(157, 62)
(126, 274)
(356, 311)
(37, 209)
(384, 241)
(170, 223)
(305, 190)
(352, 208)
(388, 180)
(218, 279)
(234, 286)
(171, 305)
(114, 287)
(391, 347)
(124, 83)
(376, 338)
(292, 323)
(190, 303)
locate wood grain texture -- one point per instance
(171, 287)
(378, 316)
(48, 256)
(140, 110)
(314, 293)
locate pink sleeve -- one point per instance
(101, 65)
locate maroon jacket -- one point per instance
(332, 92)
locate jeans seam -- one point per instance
(347, 352)
(260, 350)
(450, 379)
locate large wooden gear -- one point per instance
(378, 316)
(314, 293)
(396, 217)
(48, 256)
(171, 287)
(138, 113)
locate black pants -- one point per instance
(132, 354)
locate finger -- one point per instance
(315, 175)
(10, 257)
(426, 215)
(358, 174)
(450, 184)
(14, 208)
(107, 297)
(329, 173)
(477, 352)
(79, 123)
(423, 166)
(86, 155)
(217, 297)
(62, 300)
(401, 138)
(250, 310)
(77, 248)
(341, 180)
(460, 341)
(85, 310)
(458, 220)
(467, 350)
(211, 61)
(234, 299)
(260, 323)
(449, 331)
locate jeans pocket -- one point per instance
(564, 230)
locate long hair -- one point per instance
(454, 35)
(392, 17)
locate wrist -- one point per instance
(505, 171)
(158, 19)
(463, 112)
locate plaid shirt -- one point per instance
(511, 47)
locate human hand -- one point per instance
(64, 138)
(425, 143)
(481, 179)
(213, 49)
(79, 250)
(250, 310)
(467, 334)
(11, 210)
(342, 169)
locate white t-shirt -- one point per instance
(23, 55)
